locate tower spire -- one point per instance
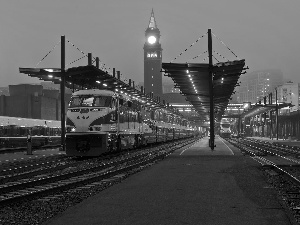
(152, 22)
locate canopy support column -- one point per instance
(277, 127)
(211, 93)
(62, 94)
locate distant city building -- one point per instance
(52, 86)
(169, 87)
(4, 91)
(32, 101)
(289, 93)
(255, 85)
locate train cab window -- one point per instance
(75, 102)
(224, 125)
(90, 101)
(102, 101)
(87, 101)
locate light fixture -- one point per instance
(151, 39)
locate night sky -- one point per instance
(263, 32)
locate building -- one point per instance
(289, 93)
(152, 59)
(32, 101)
(4, 91)
(255, 85)
(169, 87)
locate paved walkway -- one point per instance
(192, 186)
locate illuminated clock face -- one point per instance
(151, 40)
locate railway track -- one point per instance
(36, 200)
(46, 177)
(281, 165)
(11, 169)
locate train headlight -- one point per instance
(71, 129)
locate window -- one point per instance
(225, 125)
(75, 101)
(102, 101)
(152, 55)
(87, 101)
(90, 101)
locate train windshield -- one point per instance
(225, 125)
(90, 101)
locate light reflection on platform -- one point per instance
(202, 148)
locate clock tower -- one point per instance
(152, 59)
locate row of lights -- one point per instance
(191, 80)
(104, 84)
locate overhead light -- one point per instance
(50, 76)
(97, 81)
(105, 85)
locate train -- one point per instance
(225, 130)
(14, 132)
(101, 121)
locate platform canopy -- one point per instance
(193, 81)
(89, 77)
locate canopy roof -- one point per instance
(193, 81)
(91, 77)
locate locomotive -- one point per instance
(100, 121)
(225, 130)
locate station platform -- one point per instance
(194, 185)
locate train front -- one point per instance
(225, 130)
(89, 123)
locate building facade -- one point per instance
(152, 59)
(255, 85)
(32, 101)
(289, 93)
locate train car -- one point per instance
(225, 130)
(14, 131)
(100, 121)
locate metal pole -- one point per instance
(118, 125)
(89, 59)
(62, 94)
(211, 92)
(97, 62)
(29, 142)
(276, 113)
(270, 116)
